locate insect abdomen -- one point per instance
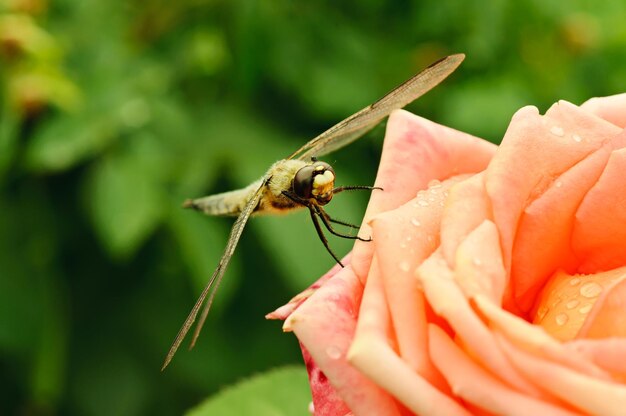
(225, 204)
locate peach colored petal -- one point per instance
(603, 209)
(566, 301)
(611, 108)
(608, 353)
(475, 385)
(543, 240)
(403, 238)
(415, 152)
(607, 318)
(447, 300)
(467, 207)
(372, 347)
(535, 150)
(479, 266)
(325, 324)
(533, 339)
(586, 393)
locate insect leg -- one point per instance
(336, 221)
(325, 219)
(355, 187)
(321, 235)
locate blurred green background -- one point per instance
(113, 112)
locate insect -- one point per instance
(301, 181)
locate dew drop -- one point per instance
(416, 222)
(404, 266)
(430, 238)
(333, 353)
(422, 203)
(572, 304)
(561, 319)
(574, 281)
(585, 309)
(557, 131)
(541, 313)
(590, 290)
(558, 184)
(477, 261)
(577, 138)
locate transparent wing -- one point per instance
(211, 287)
(360, 123)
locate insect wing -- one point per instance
(361, 122)
(211, 287)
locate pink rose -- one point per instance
(496, 279)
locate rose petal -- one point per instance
(542, 148)
(475, 385)
(479, 266)
(609, 354)
(325, 324)
(467, 207)
(533, 339)
(448, 301)
(326, 401)
(607, 318)
(373, 345)
(610, 108)
(567, 300)
(403, 238)
(586, 393)
(415, 152)
(603, 208)
(543, 240)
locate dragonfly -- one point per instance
(300, 181)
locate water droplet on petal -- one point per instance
(416, 222)
(561, 319)
(574, 281)
(577, 138)
(541, 313)
(404, 266)
(477, 261)
(333, 353)
(590, 290)
(572, 304)
(422, 203)
(585, 309)
(557, 131)
(558, 184)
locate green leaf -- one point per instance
(279, 392)
(66, 141)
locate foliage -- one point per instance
(280, 392)
(115, 112)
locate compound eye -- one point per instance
(303, 182)
(314, 181)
